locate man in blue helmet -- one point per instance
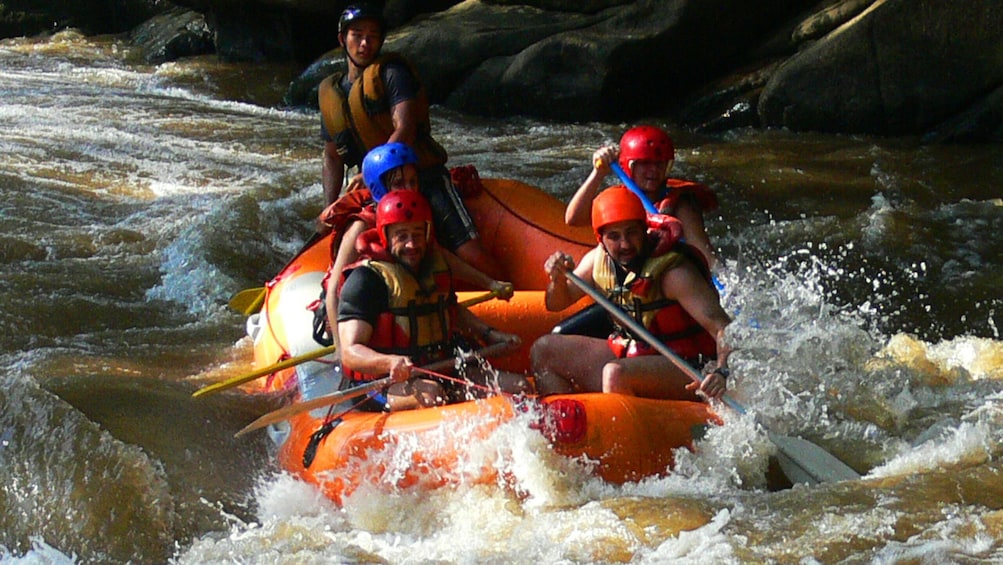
(380, 100)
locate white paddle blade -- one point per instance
(804, 462)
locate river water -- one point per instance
(863, 274)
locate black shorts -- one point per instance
(453, 226)
(591, 321)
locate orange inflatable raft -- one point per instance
(625, 438)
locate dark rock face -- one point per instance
(901, 67)
(630, 59)
(982, 121)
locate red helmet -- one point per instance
(646, 143)
(616, 204)
(402, 206)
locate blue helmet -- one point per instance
(381, 160)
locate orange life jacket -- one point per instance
(365, 113)
(351, 206)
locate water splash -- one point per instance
(69, 482)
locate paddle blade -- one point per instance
(804, 462)
(248, 301)
(327, 400)
(319, 402)
(292, 362)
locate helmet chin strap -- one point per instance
(350, 59)
(344, 47)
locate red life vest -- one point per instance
(675, 189)
(641, 296)
(420, 321)
(351, 206)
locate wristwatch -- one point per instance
(723, 371)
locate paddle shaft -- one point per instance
(291, 362)
(630, 184)
(309, 356)
(638, 330)
(648, 206)
(801, 458)
(334, 398)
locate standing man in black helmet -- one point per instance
(380, 100)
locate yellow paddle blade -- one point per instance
(291, 362)
(248, 301)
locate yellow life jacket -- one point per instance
(641, 296)
(364, 114)
(421, 317)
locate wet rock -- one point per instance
(828, 19)
(729, 103)
(900, 68)
(176, 34)
(981, 122)
(628, 59)
(885, 67)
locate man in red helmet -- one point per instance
(380, 100)
(397, 308)
(646, 153)
(661, 283)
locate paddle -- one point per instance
(630, 184)
(249, 300)
(801, 460)
(291, 362)
(334, 398)
(648, 206)
(310, 355)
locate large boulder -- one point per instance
(290, 30)
(624, 60)
(577, 6)
(449, 48)
(900, 67)
(446, 48)
(982, 121)
(173, 35)
(888, 67)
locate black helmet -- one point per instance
(360, 11)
